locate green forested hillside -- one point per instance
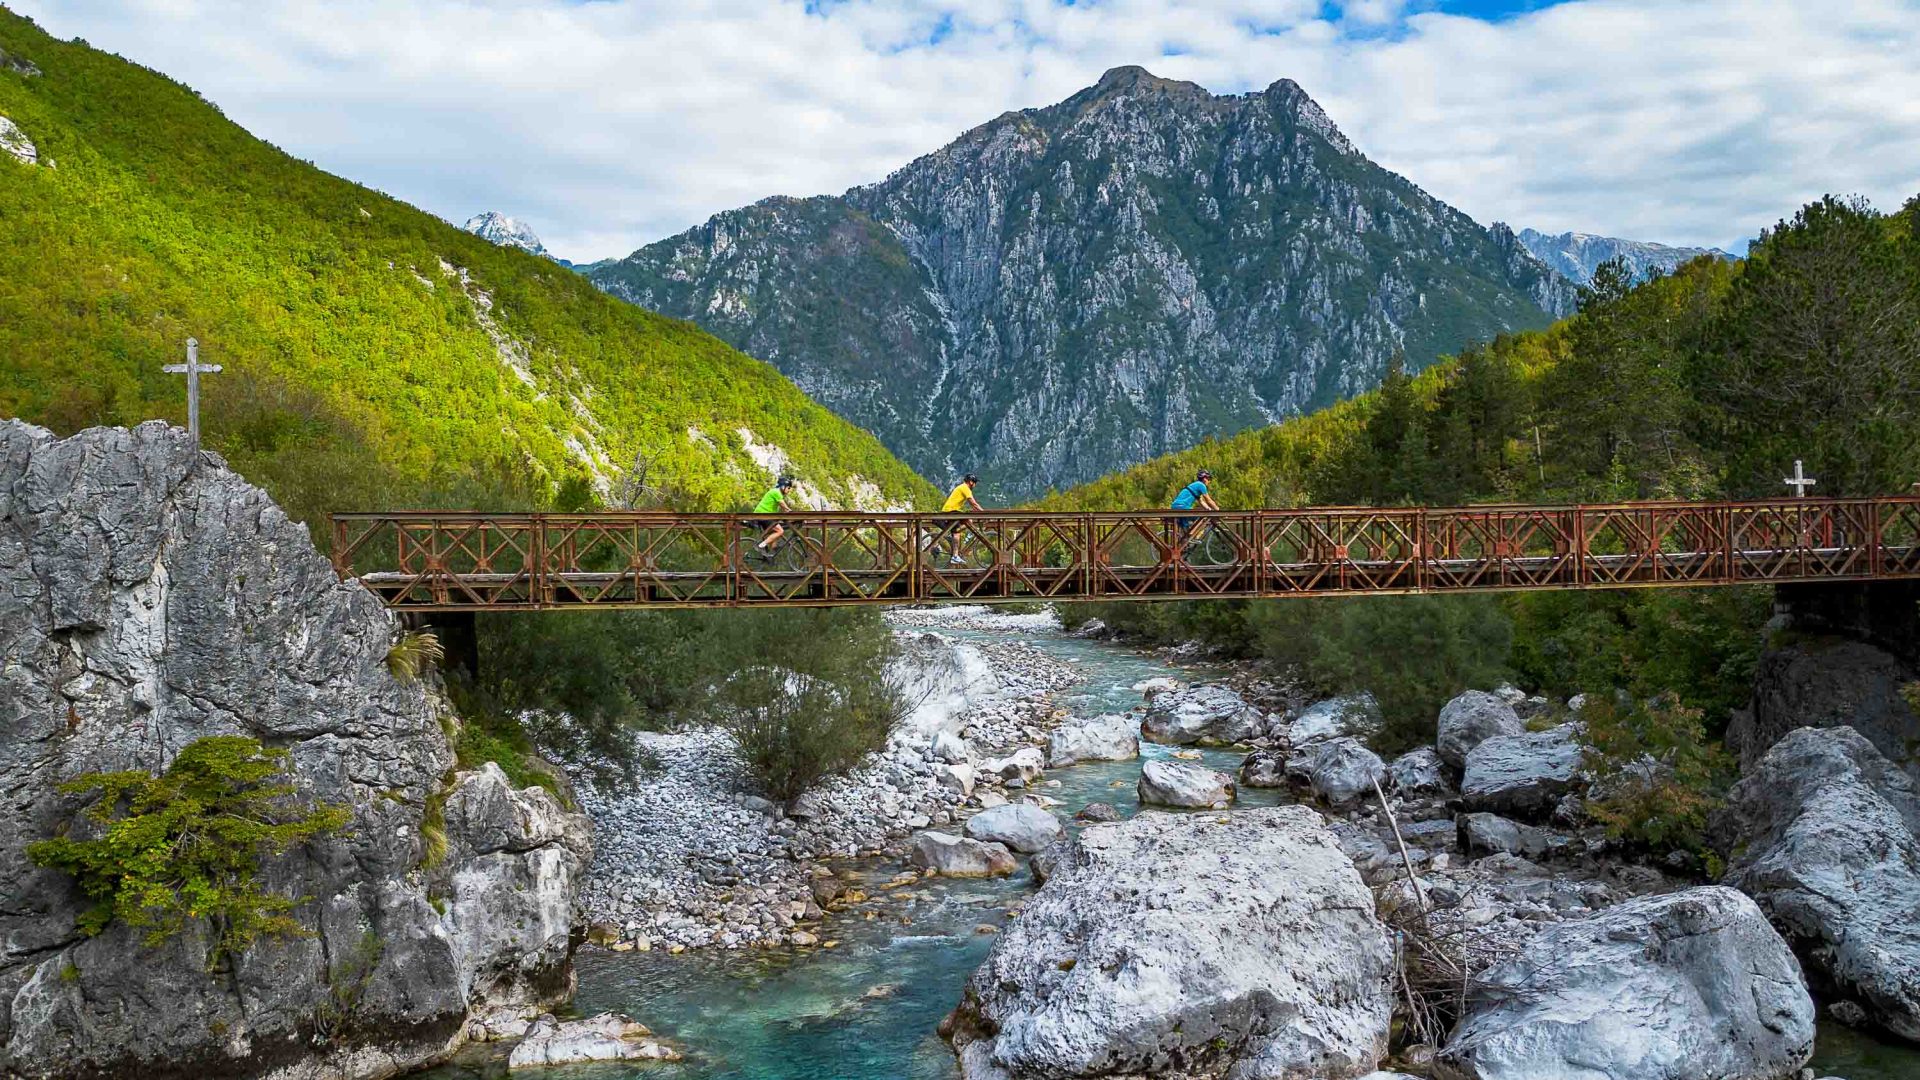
(374, 354)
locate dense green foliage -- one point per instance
(158, 852)
(1705, 383)
(373, 354)
(804, 691)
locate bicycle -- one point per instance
(789, 554)
(1208, 546)
(955, 547)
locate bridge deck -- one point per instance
(454, 561)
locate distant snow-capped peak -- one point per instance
(500, 229)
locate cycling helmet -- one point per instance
(970, 478)
(785, 482)
(1205, 474)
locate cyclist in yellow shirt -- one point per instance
(958, 500)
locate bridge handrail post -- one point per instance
(538, 575)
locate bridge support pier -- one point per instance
(459, 639)
(1885, 614)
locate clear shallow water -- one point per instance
(869, 1008)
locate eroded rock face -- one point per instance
(1523, 776)
(1104, 738)
(1823, 832)
(1471, 719)
(1687, 984)
(148, 598)
(1179, 945)
(1176, 783)
(1837, 684)
(1202, 715)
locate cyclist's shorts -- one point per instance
(763, 527)
(1185, 523)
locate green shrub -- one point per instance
(187, 844)
(416, 651)
(1657, 776)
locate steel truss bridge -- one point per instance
(464, 561)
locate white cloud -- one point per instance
(609, 124)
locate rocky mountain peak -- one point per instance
(1576, 255)
(498, 228)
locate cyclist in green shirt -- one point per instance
(775, 501)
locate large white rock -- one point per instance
(1176, 783)
(1357, 715)
(1024, 764)
(1471, 719)
(959, 856)
(607, 1037)
(945, 680)
(957, 777)
(1203, 715)
(951, 748)
(1263, 769)
(1419, 772)
(1691, 985)
(1523, 776)
(1170, 944)
(15, 142)
(1824, 834)
(1112, 737)
(1341, 771)
(1021, 826)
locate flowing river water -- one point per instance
(867, 1009)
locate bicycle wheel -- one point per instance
(1213, 549)
(793, 555)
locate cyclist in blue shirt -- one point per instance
(1194, 496)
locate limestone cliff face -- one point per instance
(1066, 291)
(150, 597)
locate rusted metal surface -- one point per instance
(434, 561)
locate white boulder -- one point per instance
(1024, 765)
(1341, 771)
(1419, 772)
(959, 856)
(1523, 776)
(607, 1037)
(1357, 715)
(1112, 737)
(1202, 715)
(1471, 719)
(1023, 827)
(1169, 940)
(1177, 783)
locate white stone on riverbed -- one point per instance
(1523, 776)
(1113, 737)
(607, 1037)
(1168, 939)
(1341, 770)
(1203, 715)
(1357, 715)
(1023, 827)
(1024, 764)
(1471, 719)
(1178, 784)
(959, 856)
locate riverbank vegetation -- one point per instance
(1706, 383)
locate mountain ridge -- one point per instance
(1576, 255)
(1064, 290)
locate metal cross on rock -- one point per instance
(1799, 481)
(193, 369)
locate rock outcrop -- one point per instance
(1340, 771)
(1823, 835)
(1830, 684)
(1357, 715)
(149, 597)
(606, 1037)
(1183, 945)
(1687, 984)
(1202, 715)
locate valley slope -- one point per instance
(1067, 290)
(372, 352)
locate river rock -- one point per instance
(1176, 783)
(1112, 737)
(1024, 765)
(1825, 683)
(1419, 772)
(1357, 715)
(1471, 719)
(951, 748)
(959, 856)
(1341, 771)
(1823, 832)
(1168, 940)
(957, 776)
(1202, 715)
(150, 597)
(1482, 833)
(1097, 812)
(1263, 769)
(1525, 775)
(1690, 984)
(1023, 827)
(606, 1037)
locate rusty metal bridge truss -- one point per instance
(431, 561)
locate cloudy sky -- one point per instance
(611, 123)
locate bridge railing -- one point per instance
(465, 560)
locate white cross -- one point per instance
(1799, 481)
(192, 369)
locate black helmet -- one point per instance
(785, 482)
(1205, 474)
(970, 478)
